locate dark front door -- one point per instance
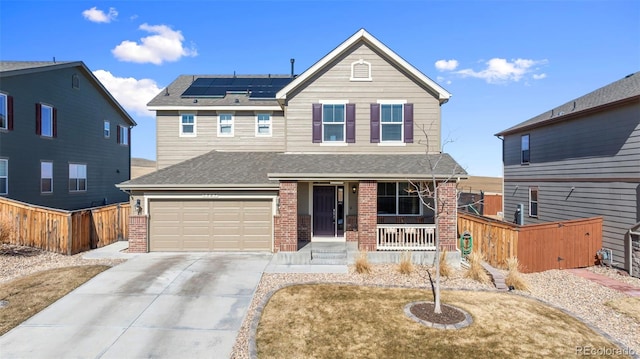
(324, 216)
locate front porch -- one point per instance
(349, 214)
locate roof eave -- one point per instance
(217, 108)
(567, 117)
(197, 187)
(361, 176)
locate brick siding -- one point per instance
(286, 222)
(367, 215)
(447, 220)
(138, 241)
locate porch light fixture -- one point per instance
(138, 206)
(354, 189)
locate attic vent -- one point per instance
(361, 71)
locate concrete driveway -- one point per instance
(152, 306)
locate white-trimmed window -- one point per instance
(263, 125)
(46, 121)
(391, 122)
(225, 125)
(123, 135)
(46, 177)
(187, 125)
(533, 201)
(107, 129)
(398, 199)
(524, 149)
(360, 71)
(4, 111)
(4, 176)
(77, 177)
(333, 122)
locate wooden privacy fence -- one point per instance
(538, 247)
(65, 232)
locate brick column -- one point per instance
(448, 204)
(367, 215)
(286, 223)
(138, 229)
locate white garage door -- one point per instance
(210, 225)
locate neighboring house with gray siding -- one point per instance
(581, 159)
(264, 162)
(64, 140)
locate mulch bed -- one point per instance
(449, 315)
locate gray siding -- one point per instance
(172, 149)
(80, 116)
(598, 155)
(388, 83)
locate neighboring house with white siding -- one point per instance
(581, 159)
(64, 140)
(265, 162)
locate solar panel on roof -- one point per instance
(258, 87)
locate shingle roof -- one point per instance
(24, 65)
(172, 94)
(263, 169)
(623, 89)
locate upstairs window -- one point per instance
(123, 135)
(391, 122)
(77, 177)
(398, 198)
(533, 202)
(225, 125)
(4, 176)
(75, 81)
(6, 112)
(263, 124)
(46, 120)
(107, 129)
(524, 149)
(46, 177)
(187, 125)
(333, 123)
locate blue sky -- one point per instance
(503, 61)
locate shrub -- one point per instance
(406, 267)
(6, 231)
(445, 268)
(362, 264)
(514, 277)
(476, 271)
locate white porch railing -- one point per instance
(400, 237)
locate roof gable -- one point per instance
(16, 68)
(364, 36)
(625, 89)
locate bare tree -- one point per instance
(429, 197)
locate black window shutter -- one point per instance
(317, 122)
(38, 119)
(55, 123)
(9, 113)
(408, 123)
(375, 123)
(118, 135)
(351, 123)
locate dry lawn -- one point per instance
(342, 321)
(627, 306)
(28, 295)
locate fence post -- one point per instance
(70, 234)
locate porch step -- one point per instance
(329, 253)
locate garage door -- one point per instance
(210, 225)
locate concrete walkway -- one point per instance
(607, 281)
(154, 305)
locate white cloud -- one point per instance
(131, 93)
(95, 15)
(446, 65)
(165, 45)
(500, 70)
(539, 76)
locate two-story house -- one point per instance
(579, 160)
(64, 140)
(263, 162)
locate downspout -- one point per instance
(503, 196)
(631, 234)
